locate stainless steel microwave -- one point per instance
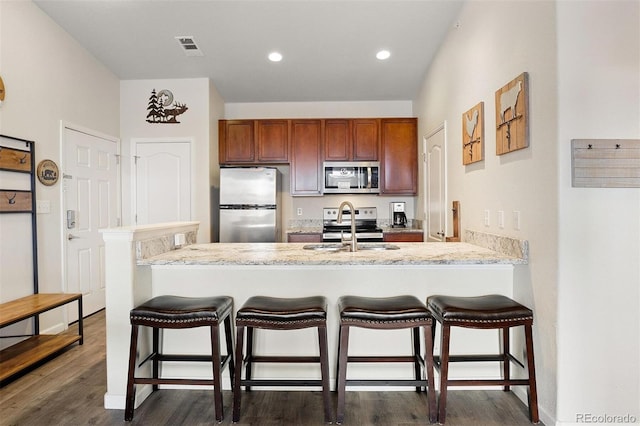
(351, 177)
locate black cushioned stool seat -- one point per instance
(273, 313)
(177, 312)
(485, 312)
(398, 312)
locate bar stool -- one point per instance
(387, 313)
(181, 312)
(483, 312)
(273, 313)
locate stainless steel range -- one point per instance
(366, 225)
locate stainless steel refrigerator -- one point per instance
(249, 205)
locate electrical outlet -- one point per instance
(487, 216)
(299, 211)
(516, 220)
(500, 219)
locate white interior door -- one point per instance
(162, 181)
(90, 202)
(435, 184)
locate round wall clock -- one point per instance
(47, 172)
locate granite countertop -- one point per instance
(294, 254)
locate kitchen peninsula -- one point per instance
(143, 262)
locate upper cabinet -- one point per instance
(306, 143)
(399, 156)
(253, 141)
(351, 139)
(306, 157)
(236, 139)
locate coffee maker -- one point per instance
(398, 215)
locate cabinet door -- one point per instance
(399, 145)
(236, 140)
(403, 237)
(273, 141)
(337, 140)
(365, 139)
(306, 156)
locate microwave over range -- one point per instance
(351, 177)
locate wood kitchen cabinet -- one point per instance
(403, 237)
(236, 141)
(399, 156)
(253, 141)
(351, 139)
(273, 141)
(306, 157)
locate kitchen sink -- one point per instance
(342, 247)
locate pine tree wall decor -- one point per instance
(162, 109)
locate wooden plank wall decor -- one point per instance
(473, 134)
(605, 163)
(15, 201)
(512, 115)
(15, 160)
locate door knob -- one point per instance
(71, 237)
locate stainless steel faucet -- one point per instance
(353, 242)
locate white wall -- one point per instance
(194, 124)
(48, 78)
(494, 43)
(583, 60)
(599, 229)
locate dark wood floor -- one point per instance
(69, 390)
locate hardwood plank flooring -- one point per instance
(69, 390)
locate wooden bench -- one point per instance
(37, 347)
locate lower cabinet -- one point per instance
(403, 237)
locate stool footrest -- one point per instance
(150, 381)
(283, 382)
(287, 359)
(478, 358)
(488, 382)
(189, 358)
(383, 382)
(372, 358)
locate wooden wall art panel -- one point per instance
(15, 160)
(605, 163)
(512, 115)
(473, 134)
(17, 201)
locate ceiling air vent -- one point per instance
(189, 46)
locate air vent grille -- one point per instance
(189, 46)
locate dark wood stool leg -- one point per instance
(237, 375)
(342, 368)
(249, 357)
(155, 348)
(417, 368)
(228, 332)
(217, 372)
(444, 373)
(428, 361)
(131, 388)
(506, 362)
(533, 390)
(324, 368)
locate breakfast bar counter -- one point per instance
(143, 262)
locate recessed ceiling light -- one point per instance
(275, 57)
(383, 54)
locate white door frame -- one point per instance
(425, 196)
(134, 174)
(63, 231)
